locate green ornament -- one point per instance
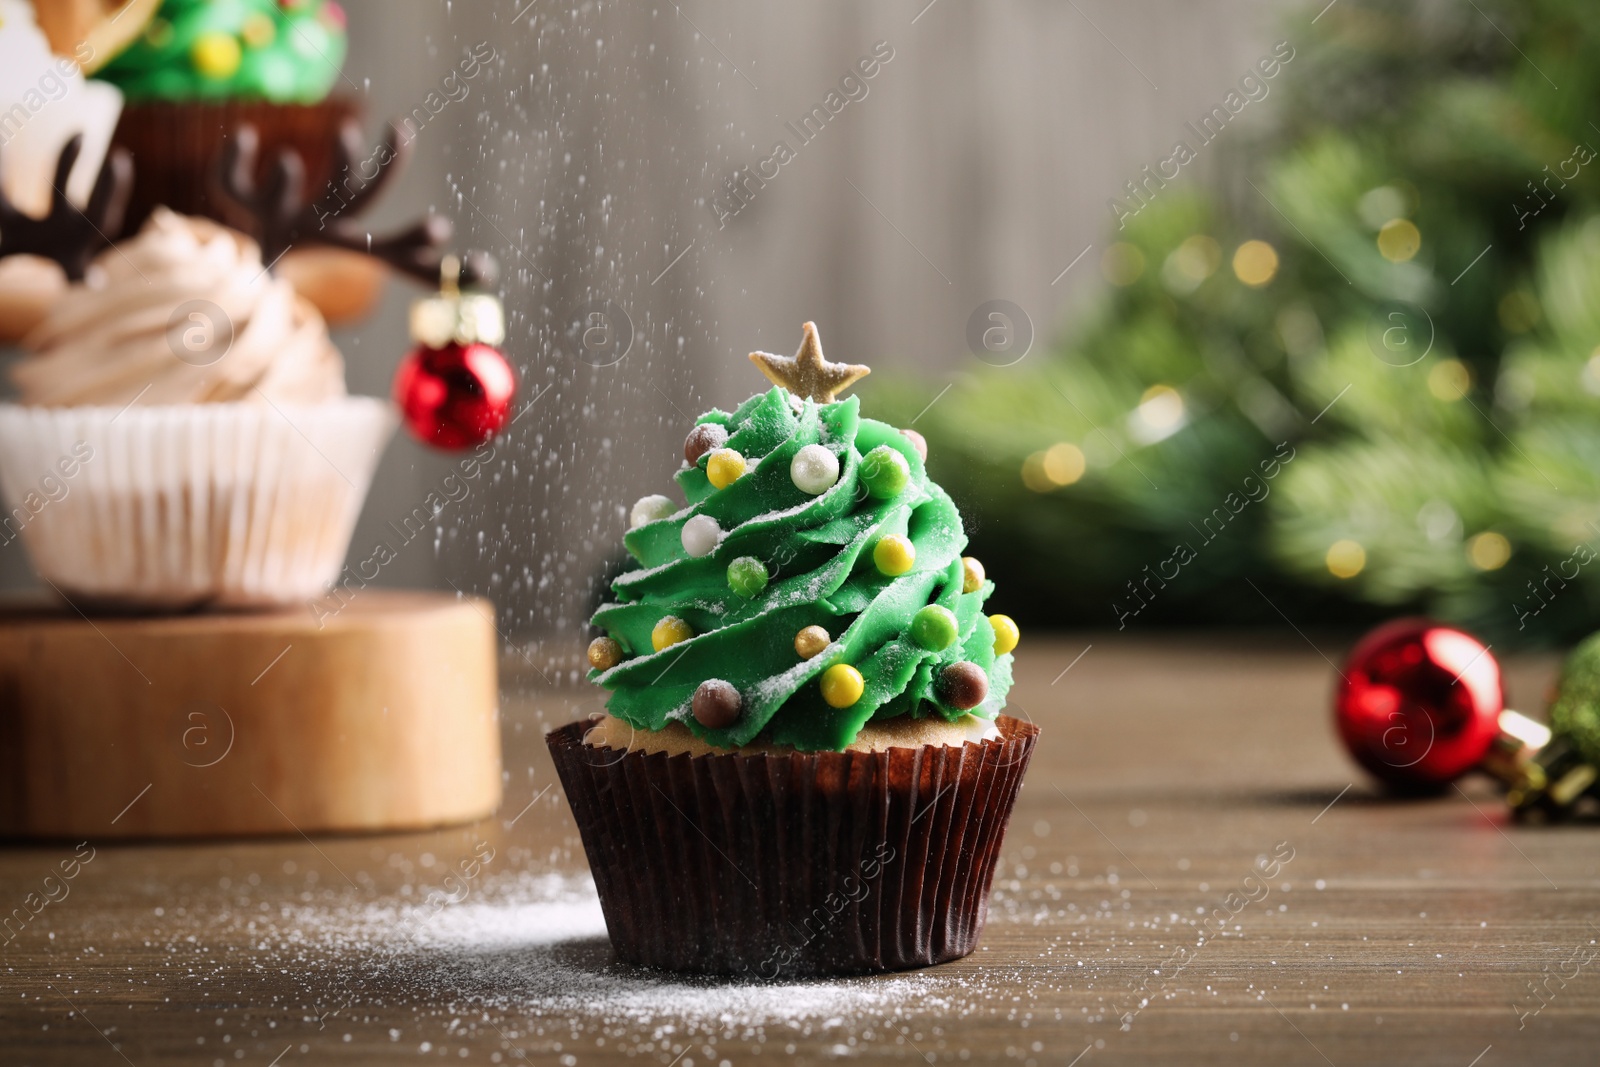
(885, 472)
(747, 576)
(1575, 714)
(935, 628)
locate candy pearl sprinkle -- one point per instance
(716, 704)
(961, 685)
(814, 470)
(1006, 634)
(885, 472)
(669, 631)
(894, 555)
(971, 574)
(702, 439)
(700, 536)
(604, 653)
(652, 508)
(842, 685)
(747, 576)
(725, 467)
(811, 641)
(934, 628)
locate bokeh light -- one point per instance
(1122, 264)
(1399, 240)
(1488, 551)
(1449, 380)
(1255, 263)
(1161, 407)
(1064, 463)
(1346, 559)
(1059, 465)
(1033, 475)
(1191, 263)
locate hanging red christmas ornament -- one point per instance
(455, 389)
(1420, 704)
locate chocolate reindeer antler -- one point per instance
(67, 235)
(280, 217)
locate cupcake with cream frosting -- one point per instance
(225, 463)
(182, 314)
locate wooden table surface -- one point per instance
(1392, 932)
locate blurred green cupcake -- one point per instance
(200, 70)
(282, 53)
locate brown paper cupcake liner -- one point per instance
(176, 148)
(803, 864)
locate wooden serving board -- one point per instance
(383, 717)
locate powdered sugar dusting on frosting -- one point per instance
(779, 686)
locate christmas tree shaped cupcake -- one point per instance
(804, 768)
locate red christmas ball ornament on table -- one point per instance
(1420, 704)
(455, 389)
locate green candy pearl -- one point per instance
(934, 628)
(747, 576)
(885, 472)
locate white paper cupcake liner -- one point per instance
(232, 505)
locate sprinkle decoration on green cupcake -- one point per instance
(280, 51)
(812, 582)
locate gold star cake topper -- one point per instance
(807, 374)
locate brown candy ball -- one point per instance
(704, 438)
(962, 685)
(918, 442)
(810, 641)
(604, 653)
(716, 704)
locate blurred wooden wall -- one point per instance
(977, 166)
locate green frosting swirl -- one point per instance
(234, 49)
(818, 552)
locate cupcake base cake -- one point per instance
(805, 769)
(183, 436)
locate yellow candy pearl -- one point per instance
(894, 555)
(971, 574)
(724, 467)
(842, 685)
(811, 641)
(668, 632)
(1006, 634)
(216, 55)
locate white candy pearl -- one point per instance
(814, 470)
(700, 536)
(650, 509)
